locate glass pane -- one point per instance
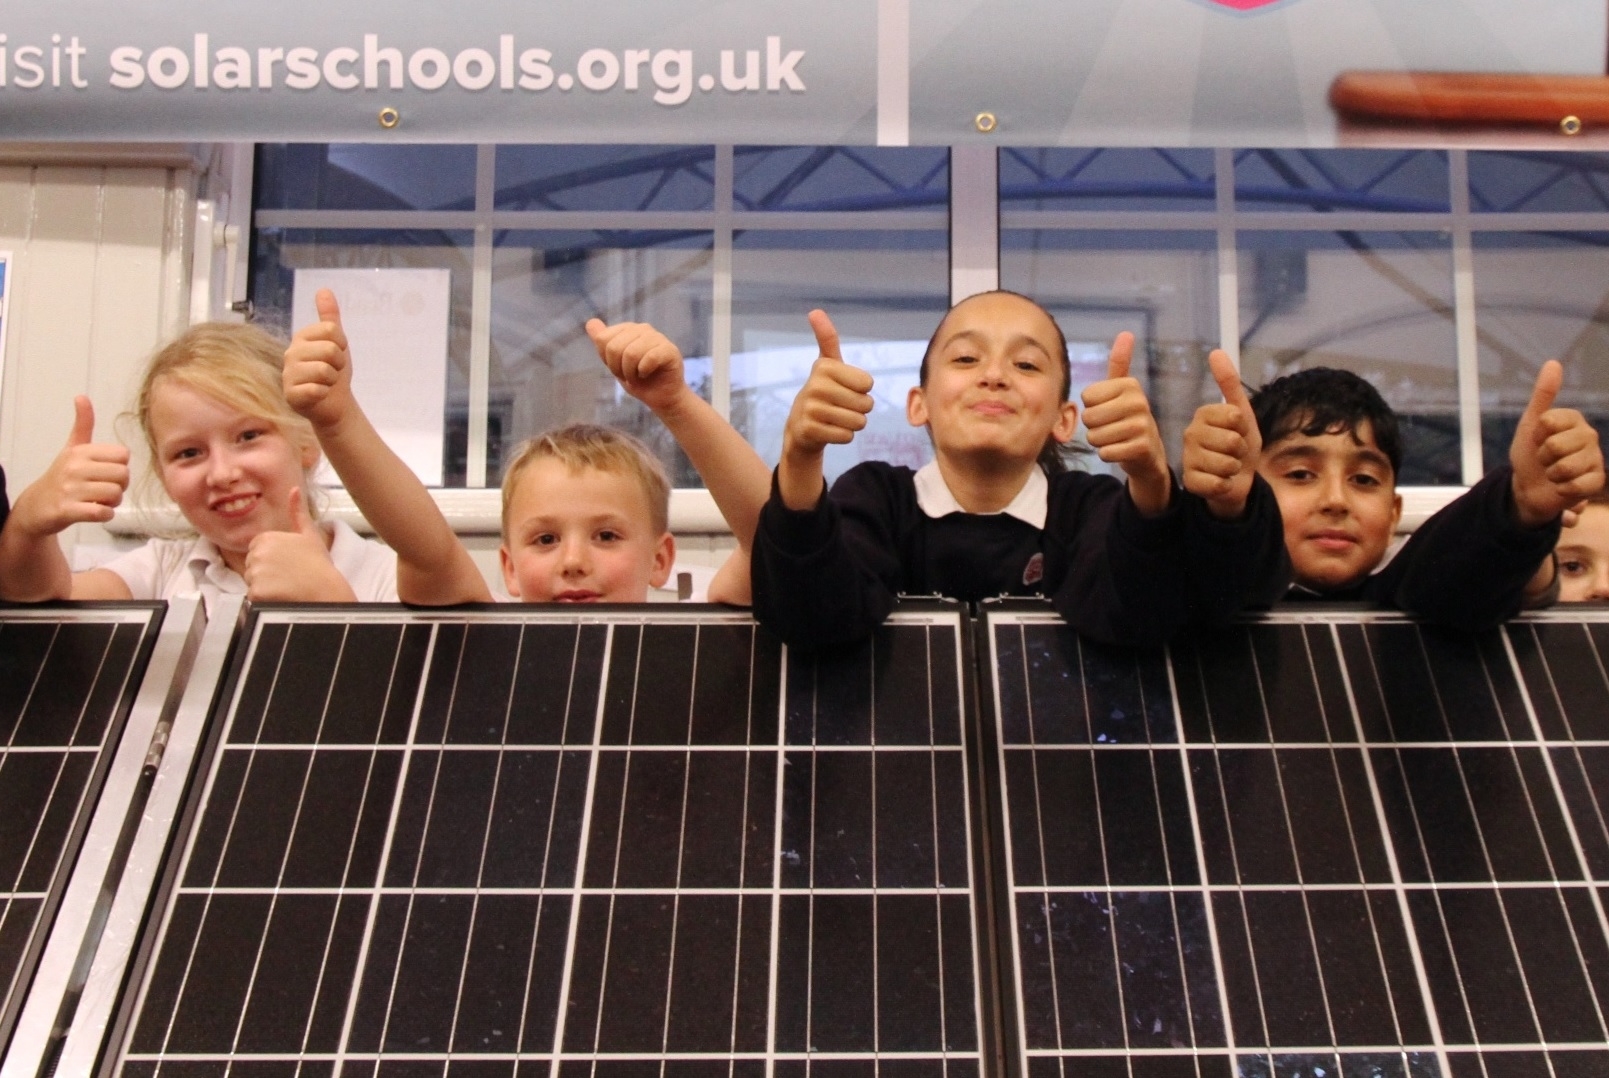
(1535, 182)
(1376, 303)
(605, 177)
(545, 371)
(1389, 181)
(840, 178)
(1096, 179)
(1161, 286)
(280, 252)
(294, 176)
(885, 291)
(1540, 297)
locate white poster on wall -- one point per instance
(396, 324)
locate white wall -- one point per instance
(99, 276)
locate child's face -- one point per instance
(582, 536)
(1584, 557)
(1338, 496)
(231, 474)
(994, 382)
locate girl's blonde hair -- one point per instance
(237, 364)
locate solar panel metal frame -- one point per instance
(108, 1051)
(187, 713)
(67, 911)
(1437, 1053)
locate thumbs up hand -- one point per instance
(642, 359)
(1119, 424)
(318, 367)
(1555, 454)
(83, 484)
(834, 402)
(294, 565)
(830, 408)
(1222, 445)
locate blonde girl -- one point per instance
(233, 457)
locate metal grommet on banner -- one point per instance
(389, 117)
(985, 122)
(1570, 125)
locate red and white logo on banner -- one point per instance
(1244, 5)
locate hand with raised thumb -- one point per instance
(834, 402)
(1222, 445)
(294, 565)
(318, 366)
(1119, 424)
(84, 484)
(642, 359)
(1555, 454)
(830, 408)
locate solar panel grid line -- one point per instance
(1306, 889)
(583, 851)
(1410, 929)
(774, 943)
(480, 868)
(1225, 1002)
(1382, 965)
(1486, 855)
(372, 913)
(1296, 855)
(61, 768)
(1595, 898)
(273, 900)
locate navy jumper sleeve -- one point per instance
(1235, 564)
(1122, 575)
(1467, 566)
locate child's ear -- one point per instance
(511, 581)
(1066, 423)
(310, 456)
(916, 407)
(664, 558)
(1396, 512)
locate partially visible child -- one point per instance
(995, 512)
(236, 461)
(1579, 568)
(1331, 451)
(585, 518)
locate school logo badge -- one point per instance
(1034, 572)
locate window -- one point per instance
(1445, 277)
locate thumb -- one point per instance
(328, 309)
(826, 335)
(1549, 380)
(300, 520)
(1228, 379)
(596, 329)
(83, 422)
(1117, 361)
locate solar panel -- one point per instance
(1317, 844)
(68, 681)
(533, 842)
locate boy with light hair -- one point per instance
(585, 508)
